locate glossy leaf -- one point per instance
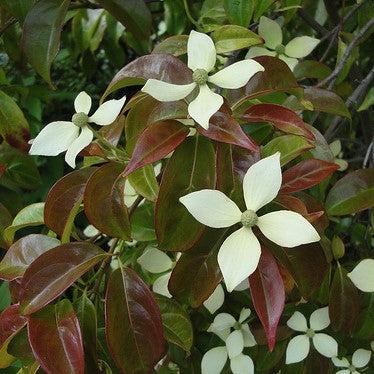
(142, 223)
(133, 323)
(10, 323)
(352, 193)
(191, 168)
(344, 302)
(311, 69)
(175, 45)
(55, 271)
(268, 294)
(144, 182)
(194, 287)
(168, 110)
(239, 12)
(306, 174)
(157, 66)
(22, 253)
(156, 142)
(281, 117)
(224, 128)
(104, 202)
(177, 325)
(63, 201)
(41, 41)
(14, 127)
(290, 146)
(56, 340)
(5, 221)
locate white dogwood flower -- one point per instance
(360, 359)
(239, 254)
(298, 47)
(215, 300)
(362, 275)
(299, 346)
(201, 54)
(72, 136)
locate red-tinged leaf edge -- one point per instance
(11, 321)
(281, 117)
(306, 174)
(268, 294)
(156, 142)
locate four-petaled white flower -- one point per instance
(215, 359)
(72, 136)
(239, 254)
(298, 47)
(362, 275)
(299, 346)
(360, 359)
(201, 54)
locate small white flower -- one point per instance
(298, 47)
(239, 254)
(72, 136)
(362, 275)
(336, 150)
(202, 56)
(299, 346)
(360, 359)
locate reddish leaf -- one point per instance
(157, 66)
(10, 323)
(22, 253)
(281, 117)
(243, 160)
(268, 296)
(168, 110)
(63, 200)
(306, 174)
(191, 168)
(156, 142)
(55, 271)
(224, 128)
(56, 340)
(104, 202)
(133, 323)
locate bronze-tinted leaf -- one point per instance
(104, 202)
(133, 323)
(191, 168)
(22, 253)
(56, 340)
(54, 271)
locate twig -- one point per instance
(84, 5)
(330, 80)
(188, 13)
(312, 22)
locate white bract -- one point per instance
(215, 300)
(299, 346)
(239, 254)
(73, 136)
(362, 275)
(360, 359)
(298, 47)
(201, 54)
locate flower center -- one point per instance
(80, 119)
(310, 333)
(237, 326)
(200, 76)
(280, 49)
(351, 368)
(249, 218)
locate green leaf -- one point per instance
(290, 146)
(18, 8)
(177, 325)
(239, 12)
(13, 124)
(311, 69)
(142, 223)
(144, 182)
(5, 221)
(175, 17)
(175, 45)
(352, 193)
(261, 8)
(41, 40)
(368, 102)
(32, 215)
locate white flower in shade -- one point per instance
(299, 346)
(298, 47)
(156, 262)
(224, 322)
(73, 136)
(336, 150)
(239, 254)
(215, 300)
(362, 275)
(360, 359)
(202, 56)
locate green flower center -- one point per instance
(249, 218)
(351, 368)
(237, 326)
(200, 76)
(280, 49)
(310, 333)
(80, 119)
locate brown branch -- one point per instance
(312, 22)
